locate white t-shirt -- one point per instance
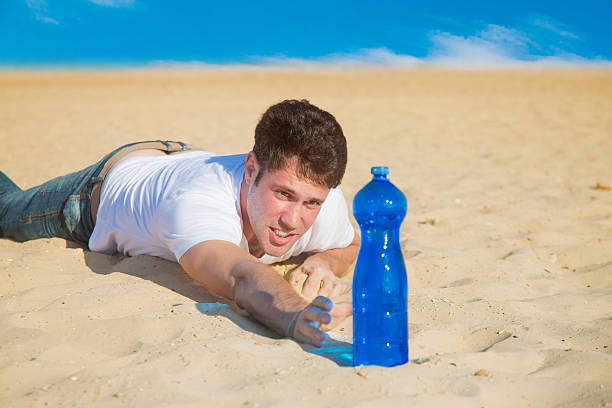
(164, 205)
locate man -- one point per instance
(223, 218)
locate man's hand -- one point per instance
(320, 280)
(319, 316)
(230, 272)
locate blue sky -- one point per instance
(391, 33)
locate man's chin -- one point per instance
(278, 251)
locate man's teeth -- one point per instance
(281, 233)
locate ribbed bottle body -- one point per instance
(380, 286)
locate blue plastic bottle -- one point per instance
(380, 285)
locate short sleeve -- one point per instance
(332, 227)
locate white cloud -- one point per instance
(496, 45)
(39, 7)
(543, 42)
(552, 25)
(367, 57)
(47, 19)
(114, 3)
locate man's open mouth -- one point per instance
(281, 233)
(279, 237)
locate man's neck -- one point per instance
(254, 248)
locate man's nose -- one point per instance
(290, 218)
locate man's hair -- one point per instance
(295, 129)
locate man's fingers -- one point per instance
(316, 281)
(311, 319)
(294, 275)
(310, 334)
(323, 303)
(321, 315)
(339, 288)
(341, 311)
(315, 314)
(312, 284)
(327, 288)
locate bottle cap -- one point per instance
(379, 170)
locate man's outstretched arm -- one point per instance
(230, 272)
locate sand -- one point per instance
(507, 242)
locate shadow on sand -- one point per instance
(340, 352)
(170, 275)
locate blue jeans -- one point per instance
(62, 207)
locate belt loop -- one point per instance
(173, 146)
(95, 179)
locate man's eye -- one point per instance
(283, 194)
(313, 205)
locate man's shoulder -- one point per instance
(333, 204)
(204, 171)
(332, 227)
(216, 167)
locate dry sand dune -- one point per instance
(508, 243)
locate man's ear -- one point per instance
(251, 168)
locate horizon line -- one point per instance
(313, 65)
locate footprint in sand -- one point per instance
(426, 342)
(484, 339)
(594, 276)
(586, 366)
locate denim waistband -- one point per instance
(76, 213)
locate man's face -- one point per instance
(280, 208)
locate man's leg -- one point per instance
(36, 212)
(62, 207)
(6, 184)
